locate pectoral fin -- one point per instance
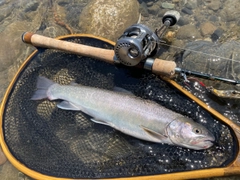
(154, 133)
(68, 106)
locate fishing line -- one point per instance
(212, 55)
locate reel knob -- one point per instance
(136, 44)
(171, 17)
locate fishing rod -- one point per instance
(138, 43)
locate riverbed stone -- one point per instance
(230, 11)
(188, 31)
(108, 18)
(191, 4)
(166, 5)
(214, 5)
(154, 10)
(207, 28)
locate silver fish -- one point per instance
(127, 113)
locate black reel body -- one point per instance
(136, 44)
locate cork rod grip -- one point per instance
(163, 67)
(70, 47)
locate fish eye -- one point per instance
(197, 131)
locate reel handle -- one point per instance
(157, 66)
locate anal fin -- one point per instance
(100, 122)
(66, 105)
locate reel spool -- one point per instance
(139, 42)
(136, 43)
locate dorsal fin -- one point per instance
(122, 90)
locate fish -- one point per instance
(127, 113)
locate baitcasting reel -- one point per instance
(138, 41)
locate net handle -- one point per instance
(159, 66)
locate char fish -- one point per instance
(143, 119)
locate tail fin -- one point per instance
(43, 85)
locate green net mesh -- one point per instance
(64, 143)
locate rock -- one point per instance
(207, 28)
(2, 2)
(213, 18)
(3, 158)
(11, 50)
(8, 172)
(154, 10)
(31, 6)
(214, 5)
(230, 11)
(108, 18)
(5, 12)
(166, 5)
(143, 9)
(150, 3)
(217, 34)
(183, 21)
(187, 11)
(188, 32)
(191, 4)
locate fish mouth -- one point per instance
(210, 139)
(208, 143)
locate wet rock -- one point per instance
(207, 28)
(187, 11)
(11, 50)
(31, 6)
(150, 3)
(166, 5)
(108, 18)
(230, 11)
(183, 21)
(143, 9)
(188, 32)
(5, 12)
(214, 4)
(154, 10)
(8, 172)
(162, 12)
(217, 34)
(192, 4)
(213, 18)
(3, 158)
(62, 2)
(2, 2)
(53, 31)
